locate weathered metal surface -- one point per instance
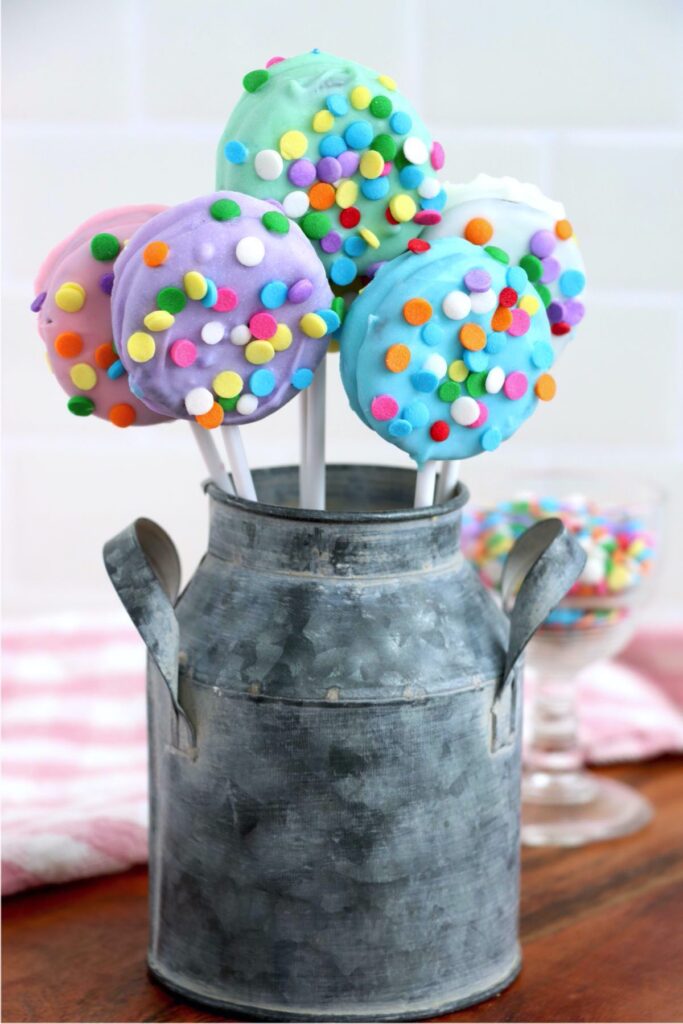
(335, 835)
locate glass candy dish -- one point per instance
(618, 524)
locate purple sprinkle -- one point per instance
(300, 290)
(478, 280)
(373, 268)
(349, 162)
(331, 242)
(107, 283)
(574, 311)
(329, 169)
(551, 270)
(301, 173)
(555, 312)
(37, 303)
(542, 244)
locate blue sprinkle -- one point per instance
(436, 203)
(542, 355)
(302, 378)
(262, 382)
(116, 370)
(358, 135)
(136, 390)
(331, 319)
(490, 439)
(332, 145)
(517, 278)
(425, 381)
(572, 283)
(432, 334)
(410, 176)
(355, 245)
(564, 616)
(476, 361)
(400, 428)
(274, 294)
(337, 104)
(400, 123)
(236, 152)
(343, 270)
(495, 343)
(417, 413)
(211, 296)
(374, 188)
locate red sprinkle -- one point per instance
(427, 217)
(507, 298)
(390, 217)
(439, 431)
(418, 245)
(560, 328)
(349, 217)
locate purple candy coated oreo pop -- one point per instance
(221, 340)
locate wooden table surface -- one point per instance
(602, 934)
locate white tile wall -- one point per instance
(123, 101)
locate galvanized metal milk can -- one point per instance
(334, 722)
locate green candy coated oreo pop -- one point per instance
(343, 152)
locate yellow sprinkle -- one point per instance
(282, 338)
(370, 237)
(360, 97)
(529, 303)
(293, 145)
(83, 376)
(457, 371)
(159, 320)
(322, 121)
(70, 297)
(258, 352)
(619, 578)
(313, 325)
(635, 547)
(141, 347)
(402, 207)
(371, 164)
(227, 384)
(346, 194)
(195, 284)
(333, 346)
(387, 82)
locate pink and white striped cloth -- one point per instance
(74, 739)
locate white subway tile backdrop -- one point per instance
(123, 101)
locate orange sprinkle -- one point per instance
(105, 355)
(545, 387)
(321, 196)
(397, 358)
(563, 229)
(155, 254)
(501, 319)
(122, 415)
(478, 231)
(473, 337)
(212, 418)
(68, 344)
(417, 311)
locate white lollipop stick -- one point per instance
(303, 446)
(314, 473)
(241, 474)
(212, 460)
(424, 485)
(448, 480)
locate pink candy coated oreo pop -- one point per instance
(73, 303)
(221, 309)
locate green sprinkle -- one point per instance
(533, 267)
(498, 254)
(385, 146)
(171, 299)
(400, 161)
(224, 209)
(381, 106)
(80, 405)
(449, 391)
(275, 221)
(338, 307)
(228, 404)
(254, 80)
(105, 247)
(316, 225)
(544, 293)
(476, 384)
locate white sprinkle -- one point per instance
(429, 187)
(213, 332)
(456, 305)
(250, 251)
(495, 379)
(247, 404)
(465, 410)
(198, 401)
(240, 335)
(415, 150)
(268, 164)
(295, 204)
(435, 364)
(483, 302)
